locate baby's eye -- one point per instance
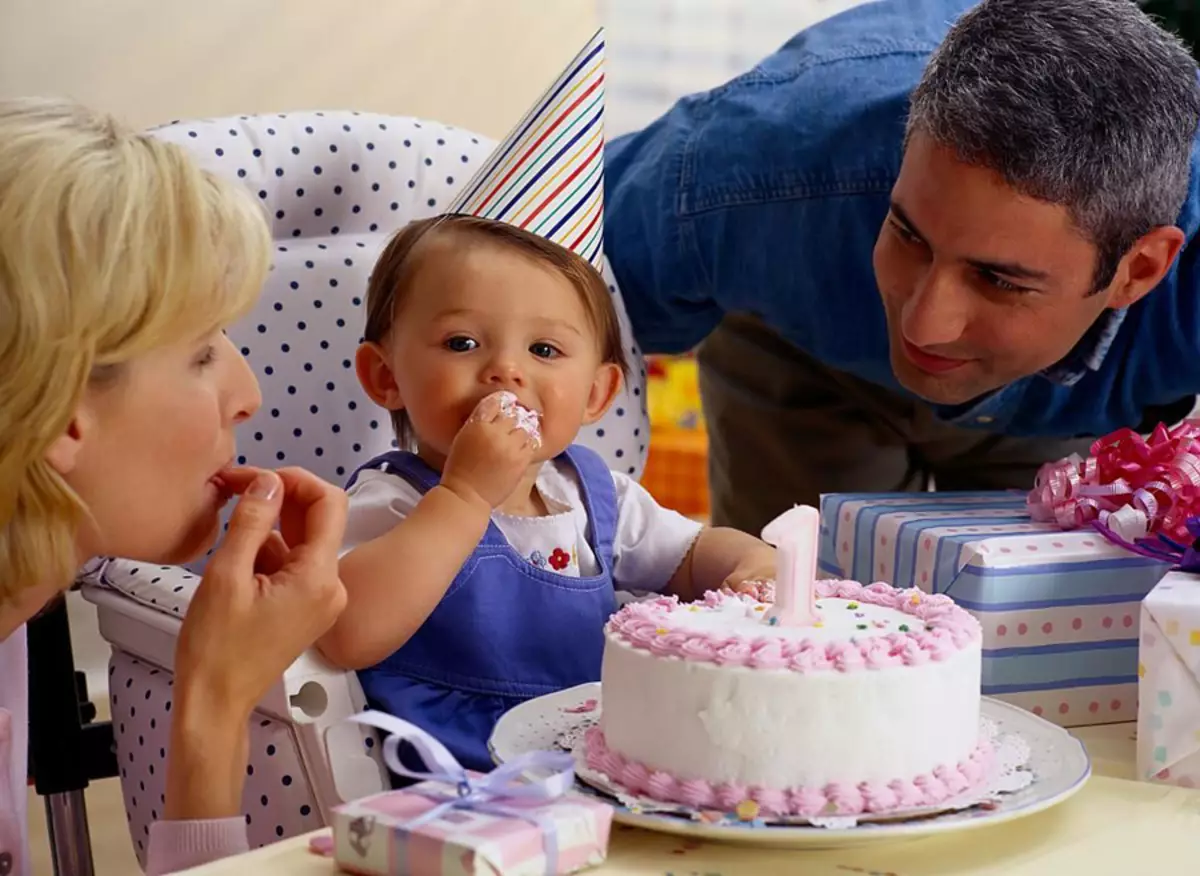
(461, 344)
(545, 351)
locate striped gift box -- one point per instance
(1059, 609)
(371, 837)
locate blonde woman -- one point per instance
(120, 263)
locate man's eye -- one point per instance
(903, 233)
(998, 282)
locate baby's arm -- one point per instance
(723, 557)
(394, 582)
(659, 549)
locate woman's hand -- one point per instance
(266, 596)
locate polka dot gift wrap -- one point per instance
(334, 186)
(1168, 733)
(1059, 610)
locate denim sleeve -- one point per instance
(647, 241)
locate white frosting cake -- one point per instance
(875, 708)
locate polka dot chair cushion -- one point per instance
(335, 185)
(278, 800)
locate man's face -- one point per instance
(981, 285)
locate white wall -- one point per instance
(473, 63)
(660, 50)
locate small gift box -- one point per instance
(1059, 610)
(519, 820)
(1168, 746)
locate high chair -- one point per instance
(335, 186)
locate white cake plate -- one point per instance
(1058, 761)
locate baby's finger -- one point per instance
(487, 411)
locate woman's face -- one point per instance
(145, 451)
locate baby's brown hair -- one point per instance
(391, 279)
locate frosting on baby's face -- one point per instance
(527, 421)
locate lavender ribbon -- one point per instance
(1159, 547)
(504, 791)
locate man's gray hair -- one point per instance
(1084, 103)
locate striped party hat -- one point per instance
(547, 175)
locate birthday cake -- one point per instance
(871, 704)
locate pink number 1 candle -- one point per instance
(794, 535)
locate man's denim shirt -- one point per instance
(766, 195)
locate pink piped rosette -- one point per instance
(943, 630)
(1155, 480)
(844, 799)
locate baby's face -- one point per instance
(480, 318)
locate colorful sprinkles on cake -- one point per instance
(878, 634)
(747, 810)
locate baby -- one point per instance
(481, 559)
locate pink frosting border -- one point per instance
(873, 798)
(945, 629)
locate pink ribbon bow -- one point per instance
(1158, 477)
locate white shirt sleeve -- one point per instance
(378, 501)
(650, 542)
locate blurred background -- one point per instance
(473, 63)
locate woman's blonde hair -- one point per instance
(112, 243)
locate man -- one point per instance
(915, 250)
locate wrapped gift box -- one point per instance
(1169, 682)
(1059, 609)
(377, 836)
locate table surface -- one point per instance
(1113, 826)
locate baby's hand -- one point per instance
(754, 576)
(491, 452)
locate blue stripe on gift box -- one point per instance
(831, 567)
(870, 508)
(999, 689)
(1066, 647)
(1031, 604)
(911, 532)
(1099, 663)
(1098, 582)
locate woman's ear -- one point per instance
(63, 453)
(605, 386)
(376, 376)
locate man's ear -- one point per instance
(1144, 266)
(376, 376)
(605, 386)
